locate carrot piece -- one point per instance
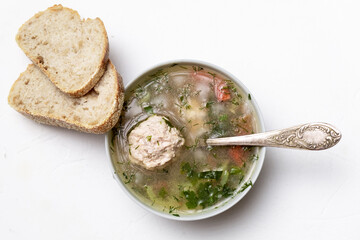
(202, 76)
(237, 154)
(222, 93)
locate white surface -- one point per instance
(299, 58)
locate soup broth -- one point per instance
(201, 103)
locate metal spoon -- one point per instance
(310, 136)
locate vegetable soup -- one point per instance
(199, 103)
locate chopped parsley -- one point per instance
(207, 194)
(168, 122)
(190, 172)
(192, 199)
(208, 104)
(243, 128)
(149, 110)
(235, 170)
(197, 68)
(185, 92)
(163, 193)
(159, 73)
(223, 117)
(128, 179)
(112, 142)
(236, 96)
(172, 209)
(246, 185)
(246, 148)
(194, 146)
(235, 102)
(148, 138)
(112, 149)
(212, 74)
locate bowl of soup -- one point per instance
(157, 150)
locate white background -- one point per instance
(300, 60)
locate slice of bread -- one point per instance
(71, 52)
(36, 97)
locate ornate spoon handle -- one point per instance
(310, 136)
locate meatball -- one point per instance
(154, 142)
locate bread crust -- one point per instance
(109, 121)
(85, 88)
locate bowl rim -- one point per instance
(231, 201)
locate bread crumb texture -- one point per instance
(70, 51)
(36, 97)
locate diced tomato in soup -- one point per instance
(222, 93)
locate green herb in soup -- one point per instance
(192, 103)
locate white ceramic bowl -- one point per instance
(255, 171)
